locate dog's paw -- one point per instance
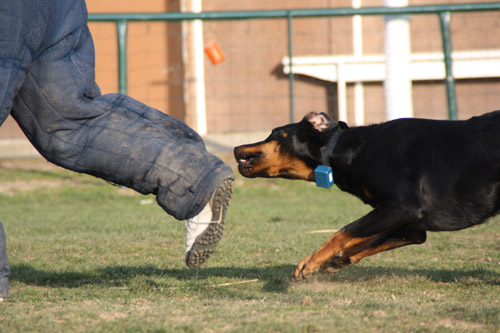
(305, 270)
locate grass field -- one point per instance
(88, 256)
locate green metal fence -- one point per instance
(443, 11)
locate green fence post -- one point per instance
(444, 19)
(121, 26)
(290, 74)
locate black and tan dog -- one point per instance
(418, 175)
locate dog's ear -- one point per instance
(343, 125)
(321, 122)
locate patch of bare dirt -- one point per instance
(18, 186)
(38, 164)
(459, 324)
(112, 316)
(35, 165)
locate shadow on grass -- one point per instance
(358, 274)
(276, 278)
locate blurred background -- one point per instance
(340, 66)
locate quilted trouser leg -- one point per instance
(14, 57)
(114, 137)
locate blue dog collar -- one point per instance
(323, 173)
(324, 176)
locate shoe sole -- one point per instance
(205, 244)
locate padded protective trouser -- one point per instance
(48, 84)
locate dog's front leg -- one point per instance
(378, 221)
(333, 247)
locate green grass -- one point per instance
(88, 256)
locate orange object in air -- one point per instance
(214, 53)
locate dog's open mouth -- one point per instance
(246, 161)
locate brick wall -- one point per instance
(249, 91)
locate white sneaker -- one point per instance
(205, 229)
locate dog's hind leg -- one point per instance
(386, 241)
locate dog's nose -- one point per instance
(236, 149)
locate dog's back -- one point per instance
(448, 168)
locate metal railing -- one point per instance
(443, 11)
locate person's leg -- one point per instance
(61, 111)
(14, 57)
(4, 266)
